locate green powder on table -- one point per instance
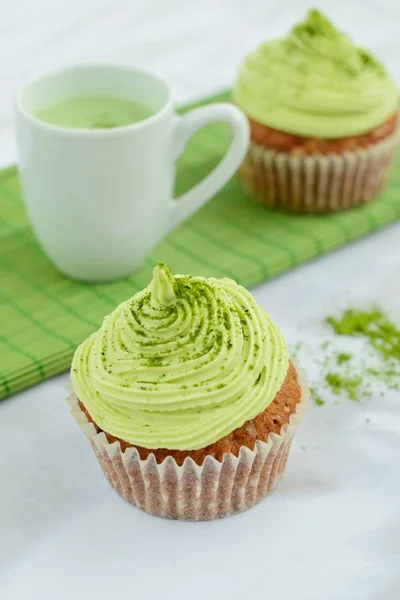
(342, 357)
(316, 397)
(355, 375)
(388, 376)
(374, 325)
(342, 384)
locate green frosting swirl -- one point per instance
(315, 83)
(181, 364)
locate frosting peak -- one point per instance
(181, 364)
(316, 24)
(315, 83)
(162, 286)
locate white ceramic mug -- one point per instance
(99, 200)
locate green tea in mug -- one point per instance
(94, 112)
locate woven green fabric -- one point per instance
(44, 316)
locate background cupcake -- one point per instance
(323, 115)
(188, 397)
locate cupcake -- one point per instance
(323, 117)
(188, 397)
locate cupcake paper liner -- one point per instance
(191, 492)
(319, 183)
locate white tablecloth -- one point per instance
(331, 530)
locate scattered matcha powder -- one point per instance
(342, 357)
(352, 375)
(374, 325)
(316, 397)
(339, 383)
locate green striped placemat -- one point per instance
(43, 315)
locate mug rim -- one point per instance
(109, 132)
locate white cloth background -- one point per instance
(331, 530)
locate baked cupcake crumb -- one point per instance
(280, 141)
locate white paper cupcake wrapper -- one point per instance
(318, 183)
(191, 492)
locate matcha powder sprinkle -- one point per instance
(362, 372)
(383, 335)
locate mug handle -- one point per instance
(187, 204)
